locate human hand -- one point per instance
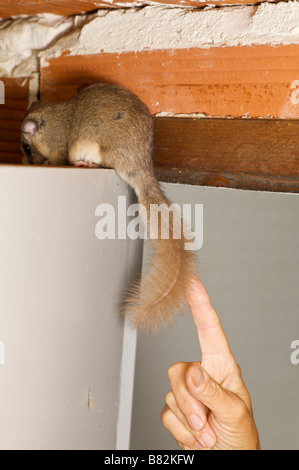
(209, 406)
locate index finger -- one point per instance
(211, 336)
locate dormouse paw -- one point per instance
(83, 164)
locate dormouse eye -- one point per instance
(27, 150)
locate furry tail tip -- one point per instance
(152, 303)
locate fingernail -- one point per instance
(195, 422)
(197, 377)
(207, 440)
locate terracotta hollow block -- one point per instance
(255, 81)
(62, 7)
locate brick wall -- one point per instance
(201, 67)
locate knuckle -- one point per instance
(166, 415)
(174, 370)
(240, 410)
(169, 399)
(238, 371)
(214, 390)
(185, 402)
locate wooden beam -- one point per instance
(254, 154)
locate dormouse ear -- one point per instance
(84, 85)
(35, 106)
(29, 127)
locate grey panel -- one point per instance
(60, 321)
(249, 264)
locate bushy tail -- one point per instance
(153, 302)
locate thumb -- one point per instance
(206, 390)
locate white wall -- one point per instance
(250, 266)
(60, 321)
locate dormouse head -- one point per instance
(40, 143)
